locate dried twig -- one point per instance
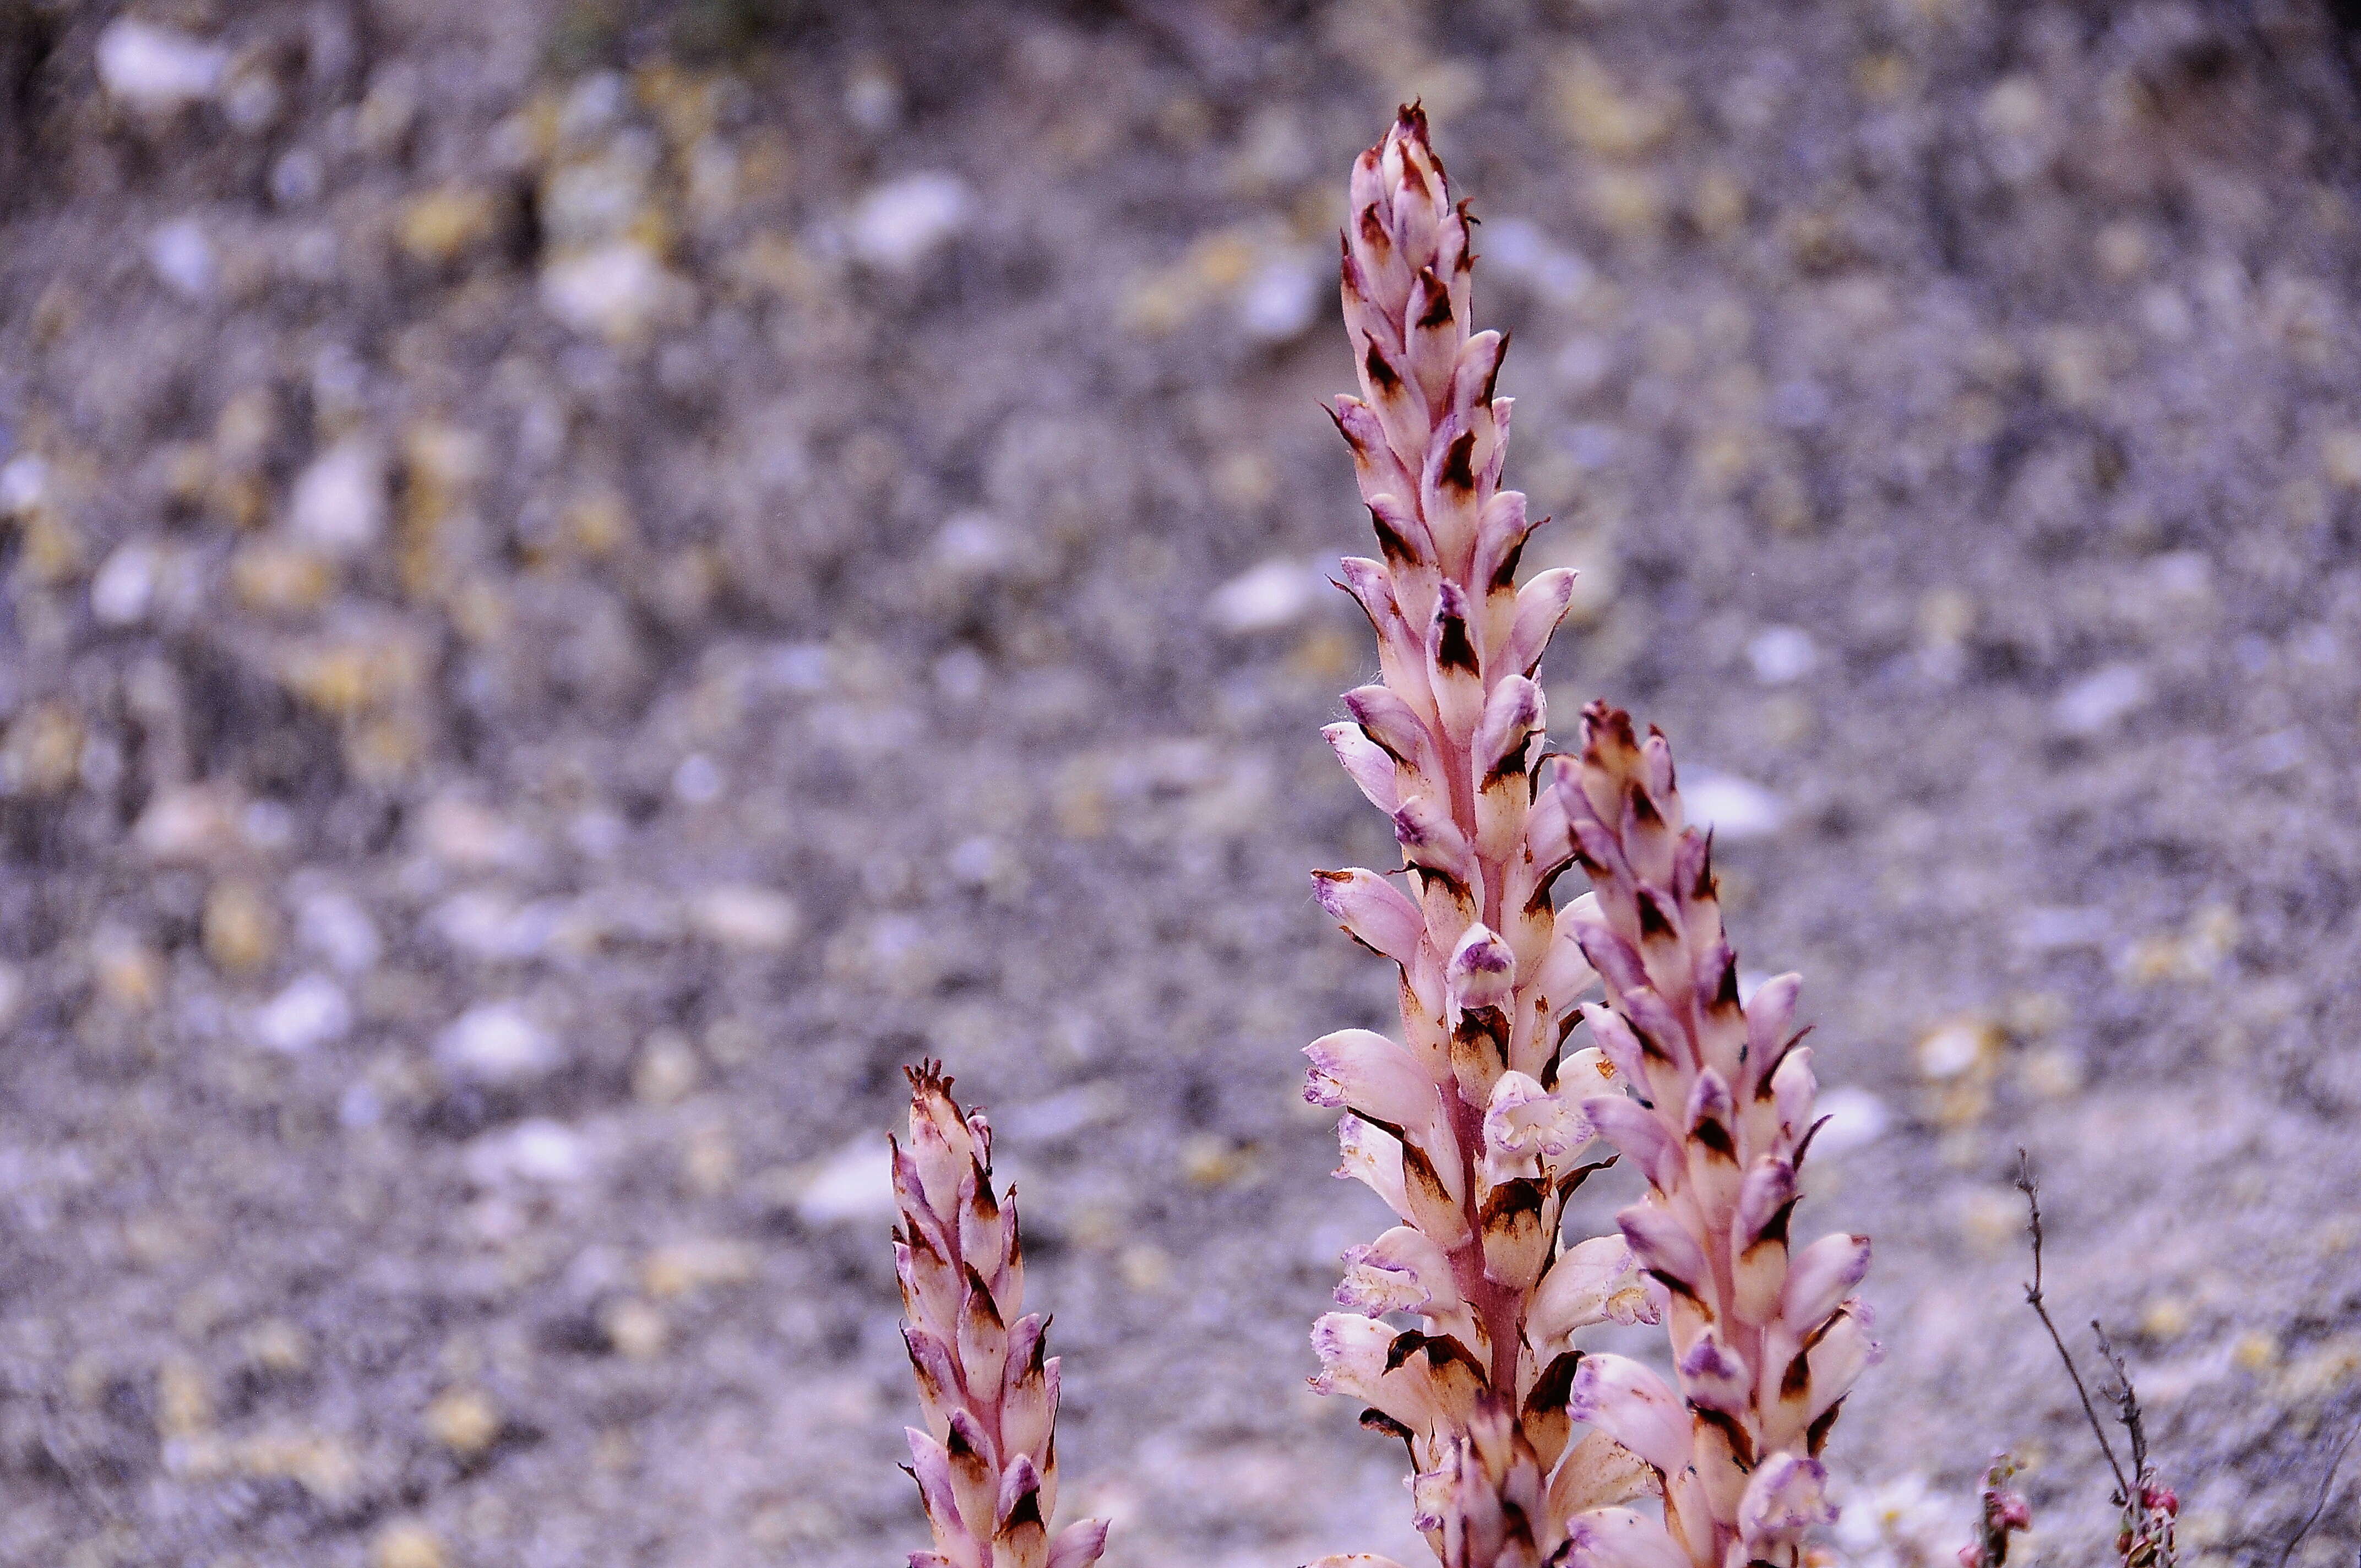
(2033, 1298)
(2319, 1504)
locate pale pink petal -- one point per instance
(1618, 1538)
(1373, 1158)
(1370, 1074)
(1593, 1281)
(1630, 1404)
(1786, 1497)
(1820, 1276)
(1373, 910)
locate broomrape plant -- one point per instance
(986, 1464)
(1478, 1123)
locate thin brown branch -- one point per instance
(2319, 1504)
(2033, 1298)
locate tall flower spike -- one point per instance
(1471, 1127)
(1719, 1116)
(986, 1461)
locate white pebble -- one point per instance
(497, 1043)
(536, 1149)
(1855, 1118)
(312, 1011)
(183, 258)
(339, 504)
(335, 926)
(124, 586)
(157, 70)
(23, 484)
(1781, 653)
(1735, 808)
(618, 290)
(1265, 597)
(1281, 298)
(901, 222)
(853, 1185)
(2091, 706)
(749, 919)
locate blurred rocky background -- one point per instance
(586, 581)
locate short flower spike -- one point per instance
(986, 1461)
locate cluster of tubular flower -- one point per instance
(1472, 1127)
(986, 1464)
(1719, 1116)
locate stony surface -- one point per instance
(585, 582)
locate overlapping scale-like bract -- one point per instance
(1471, 1126)
(986, 1461)
(1715, 1106)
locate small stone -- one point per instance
(2053, 1072)
(1852, 1118)
(185, 1399)
(974, 544)
(183, 258)
(636, 1329)
(1275, 594)
(2339, 457)
(2166, 1318)
(2256, 1350)
(241, 928)
(1602, 117)
(2092, 705)
(746, 919)
(278, 580)
(312, 1011)
(535, 1149)
(1213, 1160)
(1781, 653)
(686, 1268)
(618, 291)
(334, 924)
(1992, 1219)
(1956, 1048)
(2122, 251)
(464, 1420)
(852, 1185)
(131, 973)
(1736, 809)
(42, 754)
(157, 70)
(709, 1160)
(277, 1345)
(188, 825)
(497, 1043)
(1281, 298)
(123, 588)
(409, 1545)
(339, 502)
(901, 223)
(467, 836)
(667, 1070)
(442, 225)
(1144, 1267)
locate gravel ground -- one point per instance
(585, 582)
